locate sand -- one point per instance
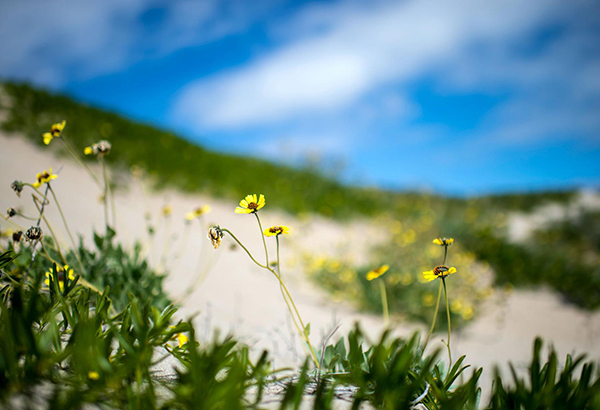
(238, 297)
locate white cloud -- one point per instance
(52, 42)
(346, 50)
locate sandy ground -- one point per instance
(240, 298)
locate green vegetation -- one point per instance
(89, 326)
(64, 349)
(558, 257)
(173, 161)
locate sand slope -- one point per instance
(240, 298)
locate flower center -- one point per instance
(441, 270)
(253, 206)
(275, 229)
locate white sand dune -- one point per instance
(240, 298)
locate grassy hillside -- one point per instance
(171, 160)
(560, 252)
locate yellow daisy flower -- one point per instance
(60, 276)
(250, 204)
(44, 178)
(93, 375)
(375, 273)
(55, 132)
(277, 230)
(190, 216)
(182, 339)
(438, 272)
(443, 241)
(167, 210)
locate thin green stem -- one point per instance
(105, 193)
(262, 235)
(287, 302)
(62, 215)
(278, 263)
(384, 303)
(74, 154)
(34, 244)
(35, 201)
(445, 254)
(244, 248)
(286, 295)
(437, 306)
(449, 323)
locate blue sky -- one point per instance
(461, 97)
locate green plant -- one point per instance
(550, 385)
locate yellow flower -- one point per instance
(88, 150)
(190, 216)
(44, 178)
(277, 230)
(55, 132)
(60, 276)
(443, 241)
(93, 375)
(167, 210)
(250, 204)
(375, 273)
(182, 339)
(438, 272)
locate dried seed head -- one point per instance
(215, 234)
(17, 236)
(10, 212)
(34, 233)
(103, 147)
(17, 186)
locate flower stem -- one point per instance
(35, 201)
(62, 215)
(449, 324)
(34, 245)
(286, 295)
(262, 235)
(437, 306)
(384, 303)
(105, 193)
(89, 171)
(244, 248)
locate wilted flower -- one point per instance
(438, 272)
(215, 234)
(17, 236)
(277, 230)
(34, 233)
(99, 149)
(10, 212)
(250, 204)
(59, 276)
(55, 132)
(17, 186)
(443, 241)
(190, 216)
(44, 178)
(375, 273)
